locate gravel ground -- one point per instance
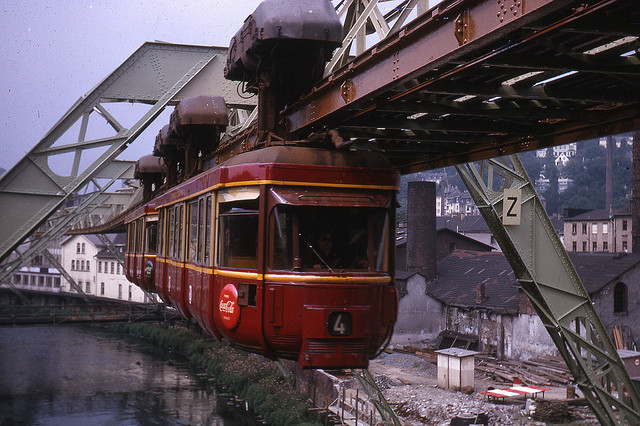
(409, 384)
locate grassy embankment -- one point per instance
(253, 379)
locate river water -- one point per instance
(70, 375)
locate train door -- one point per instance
(238, 278)
(129, 260)
(198, 272)
(149, 251)
(176, 262)
(206, 295)
(160, 272)
(139, 250)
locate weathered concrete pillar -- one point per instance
(421, 229)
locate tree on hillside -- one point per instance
(588, 171)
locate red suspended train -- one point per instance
(285, 250)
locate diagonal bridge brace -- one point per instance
(511, 208)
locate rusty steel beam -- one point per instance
(434, 39)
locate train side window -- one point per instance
(130, 237)
(172, 233)
(238, 234)
(160, 237)
(207, 232)
(193, 231)
(139, 235)
(151, 238)
(180, 229)
(201, 221)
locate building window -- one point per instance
(82, 248)
(82, 265)
(118, 269)
(49, 281)
(88, 266)
(575, 246)
(584, 246)
(56, 282)
(624, 246)
(119, 291)
(620, 298)
(101, 289)
(595, 246)
(584, 228)
(605, 246)
(624, 225)
(130, 293)
(41, 281)
(112, 268)
(594, 228)
(17, 278)
(100, 266)
(73, 265)
(78, 248)
(574, 228)
(88, 287)
(605, 228)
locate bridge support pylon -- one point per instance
(509, 204)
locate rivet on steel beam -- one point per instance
(347, 91)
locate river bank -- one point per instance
(251, 377)
(87, 375)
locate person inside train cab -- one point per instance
(322, 255)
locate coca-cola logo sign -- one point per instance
(228, 306)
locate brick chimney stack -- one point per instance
(421, 229)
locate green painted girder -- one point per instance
(549, 279)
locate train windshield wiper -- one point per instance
(318, 255)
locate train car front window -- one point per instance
(238, 234)
(329, 239)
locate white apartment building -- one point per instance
(96, 270)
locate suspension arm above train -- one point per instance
(509, 204)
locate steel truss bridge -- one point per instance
(466, 83)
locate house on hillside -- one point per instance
(599, 231)
(476, 294)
